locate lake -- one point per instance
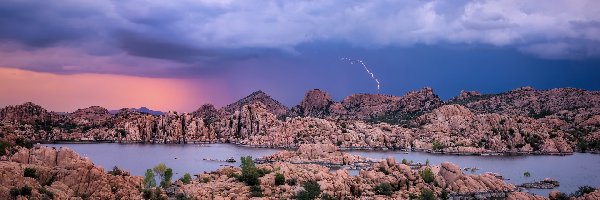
(571, 171)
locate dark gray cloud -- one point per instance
(171, 36)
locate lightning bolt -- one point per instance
(355, 61)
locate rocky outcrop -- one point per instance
(272, 105)
(63, 174)
(403, 181)
(322, 154)
(316, 103)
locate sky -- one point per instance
(178, 55)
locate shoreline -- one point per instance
(373, 149)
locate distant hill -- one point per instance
(142, 110)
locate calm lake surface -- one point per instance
(571, 171)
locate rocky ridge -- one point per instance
(471, 123)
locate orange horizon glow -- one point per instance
(67, 93)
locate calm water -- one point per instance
(571, 171)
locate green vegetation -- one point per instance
(46, 192)
(149, 181)
(186, 179)
(427, 175)
(30, 172)
(164, 173)
(327, 196)
(384, 189)
(24, 143)
(404, 161)
(116, 171)
(291, 182)
(24, 191)
(444, 195)
(437, 146)
(311, 191)
(427, 194)
(582, 191)
(527, 174)
(256, 191)
(153, 194)
(205, 180)
(250, 173)
(279, 179)
(182, 196)
(427, 162)
(3, 147)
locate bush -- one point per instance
(444, 195)
(291, 182)
(311, 191)
(404, 161)
(30, 172)
(152, 194)
(327, 196)
(562, 196)
(427, 175)
(436, 146)
(384, 189)
(24, 143)
(250, 173)
(14, 192)
(527, 174)
(279, 179)
(256, 191)
(427, 194)
(186, 179)
(149, 181)
(48, 193)
(116, 171)
(205, 180)
(582, 191)
(182, 196)
(3, 147)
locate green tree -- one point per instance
(404, 161)
(279, 179)
(186, 179)
(149, 181)
(427, 175)
(250, 173)
(427, 162)
(311, 191)
(384, 189)
(167, 176)
(527, 174)
(327, 196)
(160, 170)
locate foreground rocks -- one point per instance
(63, 174)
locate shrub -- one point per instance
(149, 181)
(14, 192)
(182, 196)
(3, 147)
(444, 195)
(24, 143)
(582, 191)
(562, 196)
(384, 189)
(436, 146)
(205, 180)
(291, 182)
(527, 174)
(312, 190)
(152, 194)
(48, 193)
(427, 194)
(186, 179)
(279, 179)
(427, 175)
(116, 171)
(256, 191)
(404, 161)
(327, 196)
(250, 173)
(30, 172)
